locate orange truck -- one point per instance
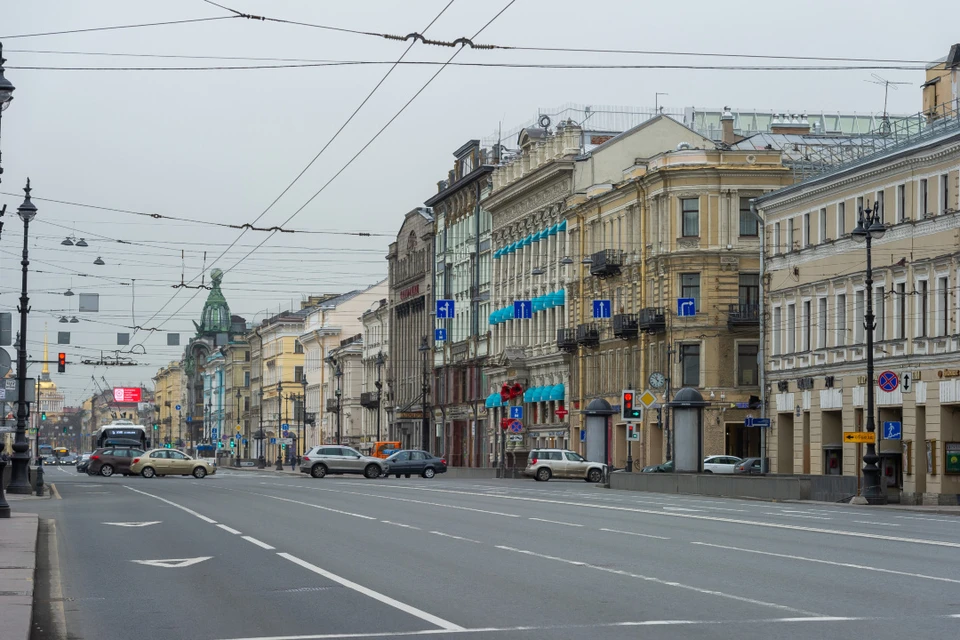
(384, 449)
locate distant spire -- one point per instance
(46, 369)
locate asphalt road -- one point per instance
(259, 555)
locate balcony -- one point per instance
(588, 334)
(370, 399)
(566, 340)
(652, 320)
(606, 263)
(333, 404)
(743, 315)
(625, 326)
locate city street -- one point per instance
(263, 555)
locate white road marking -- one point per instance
(444, 625)
(173, 563)
(432, 504)
(449, 535)
(878, 524)
(316, 506)
(793, 515)
(262, 545)
(691, 516)
(174, 504)
(634, 533)
(132, 524)
(679, 509)
(566, 524)
(400, 524)
(847, 565)
(929, 519)
(229, 529)
(668, 583)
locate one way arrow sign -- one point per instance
(173, 563)
(906, 382)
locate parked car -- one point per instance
(543, 464)
(68, 459)
(83, 462)
(749, 465)
(170, 462)
(110, 460)
(720, 464)
(665, 467)
(413, 461)
(324, 459)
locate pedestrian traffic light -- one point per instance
(628, 410)
(61, 362)
(43, 415)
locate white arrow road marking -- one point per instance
(132, 524)
(173, 563)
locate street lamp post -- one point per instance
(870, 228)
(236, 442)
(279, 422)
(301, 446)
(379, 385)
(19, 481)
(261, 456)
(179, 427)
(338, 374)
(425, 417)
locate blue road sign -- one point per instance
(516, 426)
(892, 430)
(213, 433)
(285, 426)
(446, 309)
(686, 307)
(888, 381)
(273, 441)
(237, 436)
(516, 413)
(244, 441)
(762, 423)
(439, 335)
(178, 407)
(601, 308)
(189, 418)
(583, 435)
(522, 309)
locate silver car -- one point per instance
(543, 464)
(324, 459)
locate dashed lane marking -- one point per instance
(229, 529)
(450, 535)
(400, 524)
(565, 524)
(262, 545)
(174, 504)
(634, 533)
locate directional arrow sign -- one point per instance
(862, 437)
(132, 524)
(173, 563)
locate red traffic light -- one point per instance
(61, 362)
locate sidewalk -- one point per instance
(18, 562)
(931, 509)
(269, 469)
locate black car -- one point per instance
(110, 460)
(666, 467)
(407, 462)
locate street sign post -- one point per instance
(888, 381)
(892, 430)
(906, 382)
(177, 407)
(214, 433)
(514, 437)
(859, 437)
(647, 398)
(446, 309)
(601, 308)
(516, 413)
(686, 307)
(522, 309)
(439, 335)
(516, 426)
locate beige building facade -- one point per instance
(815, 339)
(169, 393)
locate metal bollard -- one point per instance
(4, 505)
(39, 476)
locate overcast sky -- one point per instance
(220, 146)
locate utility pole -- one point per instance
(425, 427)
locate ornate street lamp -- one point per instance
(338, 374)
(379, 385)
(236, 442)
(301, 446)
(870, 228)
(279, 422)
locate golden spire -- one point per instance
(46, 368)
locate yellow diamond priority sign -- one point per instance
(647, 398)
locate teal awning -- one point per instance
(556, 392)
(562, 226)
(552, 231)
(493, 400)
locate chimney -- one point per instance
(795, 123)
(726, 127)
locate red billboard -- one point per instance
(126, 394)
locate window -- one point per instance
(690, 362)
(900, 310)
(297, 373)
(923, 198)
(297, 347)
(823, 225)
(901, 202)
(859, 206)
(749, 225)
(776, 237)
(747, 367)
(690, 210)
(573, 457)
(749, 291)
(690, 287)
(841, 319)
(806, 230)
(944, 193)
(791, 329)
(805, 338)
(880, 313)
(878, 205)
(858, 311)
(246, 403)
(790, 246)
(246, 378)
(776, 330)
(418, 455)
(924, 308)
(944, 294)
(841, 219)
(822, 323)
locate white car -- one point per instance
(720, 464)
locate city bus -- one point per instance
(121, 433)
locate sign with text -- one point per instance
(951, 457)
(860, 437)
(127, 394)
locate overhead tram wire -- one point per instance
(115, 27)
(310, 164)
(375, 136)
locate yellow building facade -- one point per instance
(169, 393)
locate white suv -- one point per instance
(543, 464)
(324, 459)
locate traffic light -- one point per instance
(633, 431)
(156, 427)
(61, 362)
(43, 415)
(628, 410)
